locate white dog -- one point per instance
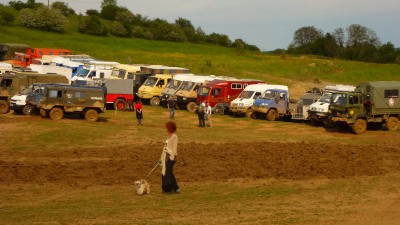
(142, 187)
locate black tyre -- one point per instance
(91, 115)
(27, 110)
(392, 124)
(56, 114)
(249, 113)
(191, 107)
(120, 104)
(43, 113)
(155, 101)
(360, 126)
(271, 115)
(219, 110)
(3, 107)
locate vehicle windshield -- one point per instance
(151, 81)
(187, 86)
(246, 94)
(305, 101)
(174, 84)
(203, 91)
(27, 90)
(269, 95)
(339, 99)
(82, 73)
(326, 98)
(118, 73)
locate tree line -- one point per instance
(356, 42)
(124, 23)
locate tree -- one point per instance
(92, 25)
(109, 12)
(306, 36)
(338, 35)
(63, 7)
(43, 18)
(187, 29)
(19, 5)
(92, 12)
(359, 35)
(6, 17)
(108, 2)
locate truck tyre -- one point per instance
(120, 104)
(254, 115)
(392, 124)
(271, 115)
(314, 122)
(219, 110)
(249, 112)
(27, 110)
(360, 126)
(3, 107)
(43, 113)
(155, 101)
(91, 115)
(56, 114)
(191, 107)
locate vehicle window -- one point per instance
(55, 94)
(391, 93)
(256, 95)
(216, 92)
(236, 86)
(353, 99)
(79, 94)
(203, 91)
(270, 95)
(6, 82)
(246, 94)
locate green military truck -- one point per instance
(371, 105)
(12, 83)
(88, 101)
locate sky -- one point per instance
(268, 24)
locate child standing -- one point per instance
(139, 112)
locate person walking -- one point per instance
(139, 112)
(208, 114)
(168, 160)
(171, 106)
(200, 113)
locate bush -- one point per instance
(92, 25)
(118, 29)
(43, 18)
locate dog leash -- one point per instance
(158, 163)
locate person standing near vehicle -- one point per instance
(168, 159)
(200, 113)
(139, 112)
(171, 106)
(208, 114)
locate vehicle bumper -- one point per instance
(239, 110)
(260, 109)
(16, 107)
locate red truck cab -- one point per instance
(219, 93)
(25, 59)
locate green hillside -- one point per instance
(206, 59)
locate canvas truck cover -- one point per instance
(116, 86)
(384, 95)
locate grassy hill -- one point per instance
(206, 59)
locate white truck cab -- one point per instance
(95, 69)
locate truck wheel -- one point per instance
(155, 101)
(254, 115)
(120, 104)
(191, 107)
(392, 124)
(360, 126)
(314, 122)
(271, 115)
(56, 114)
(3, 107)
(219, 110)
(43, 113)
(27, 110)
(249, 113)
(91, 115)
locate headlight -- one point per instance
(240, 104)
(264, 104)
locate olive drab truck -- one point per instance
(272, 104)
(220, 93)
(186, 96)
(12, 83)
(151, 89)
(87, 101)
(242, 104)
(173, 86)
(318, 111)
(371, 105)
(7, 50)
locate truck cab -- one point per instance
(152, 88)
(26, 58)
(95, 69)
(272, 104)
(173, 86)
(301, 112)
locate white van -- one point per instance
(95, 69)
(242, 104)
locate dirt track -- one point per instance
(200, 162)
